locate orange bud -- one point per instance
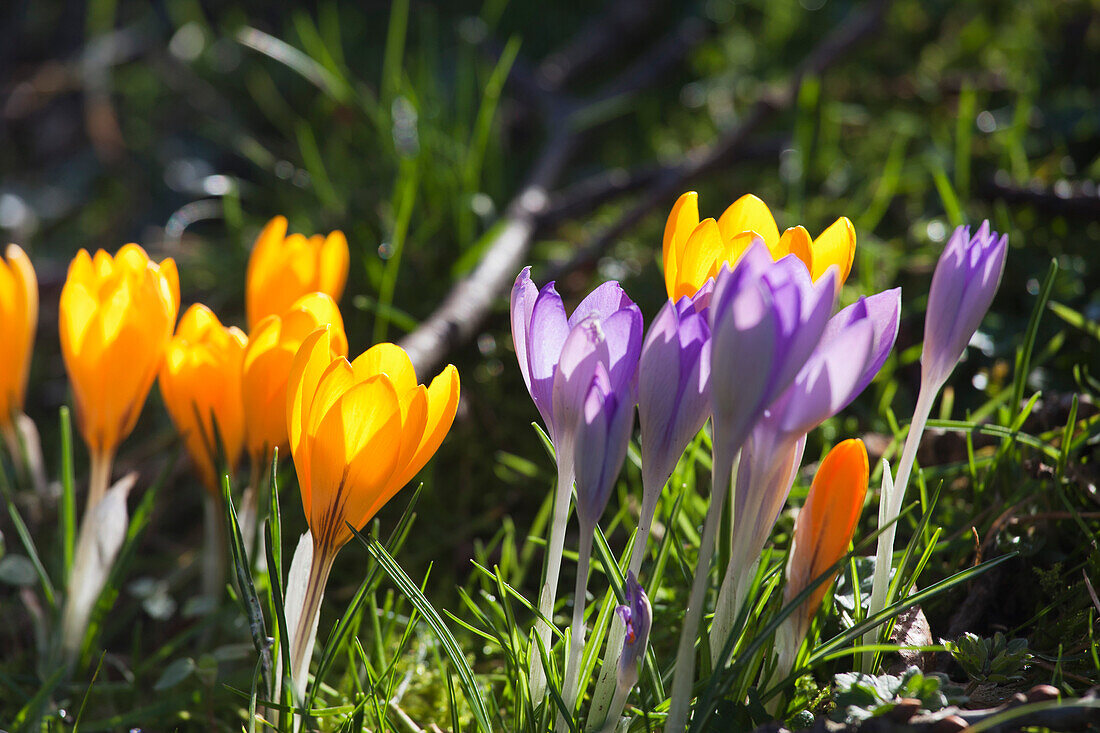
(201, 385)
(359, 431)
(18, 322)
(266, 367)
(284, 268)
(825, 525)
(115, 319)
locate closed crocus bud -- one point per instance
(822, 532)
(637, 615)
(283, 268)
(695, 251)
(963, 286)
(266, 368)
(201, 385)
(115, 319)
(18, 321)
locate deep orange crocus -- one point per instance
(201, 385)
(265, 369)
(18, 322)
(283, 268)
(115, 318)
(825, 525)
(694, 251)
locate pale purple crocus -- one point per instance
(766, 318)
(673, 405)
(559, 357)
(594, 397)
(636, 617)
(853, 348)
(963, 285)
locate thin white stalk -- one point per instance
(684, 675)
(606, 685)
(618, 701)
(549, 590)
(570, 689)
(892, 498)
(99, 478)
(303, 607)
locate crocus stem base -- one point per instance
(99, 477)
(304, 633)
(548, 593)
(684, 675)
(885, 551)
(576, 637)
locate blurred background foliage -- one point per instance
(185, 124)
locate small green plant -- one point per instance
(860, 696)
(990, 661)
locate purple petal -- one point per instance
(523, 298)
(585, 350)
(623, 331)
(882, 311)
(603, 301)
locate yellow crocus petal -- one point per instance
(442, 395)
(310, 362)
(680, 224)
(796, 241)
(355, 450)
(267, 367)
(835, 246)
(414, 420)
(697, 258)
(283, 268)
(116, 317)
(732, 251)
(389, 359)
(18, 323)
(200, 382)
(827, 520)
(749, 214)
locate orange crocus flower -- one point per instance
(694, 251)
(201, 385)
(18, 321)
(115, 318)
(283, 268)
(266, 368)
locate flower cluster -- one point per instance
(750, 340)
(358, 431)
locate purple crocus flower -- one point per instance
(673, 389)
(597, 404)
(852, 350)
(963, 286)
(766, 318)
(540, 328)
(637, 615)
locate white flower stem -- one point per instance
(548, 593)
(616, 709)
(892, 503)
(684, 675)
(606, 685)
(99, 477)
(570, 690)
(305, 631)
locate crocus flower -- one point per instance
(265, 370)
(18, 321)
(637, 615)
(605, 394)
(201, 385)
(283, 268)
(359, 432)
(963, 285)
(853, 347)
(822, 532)
(540, 329)
(765, 320)
(694, 250)
(115, 320)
